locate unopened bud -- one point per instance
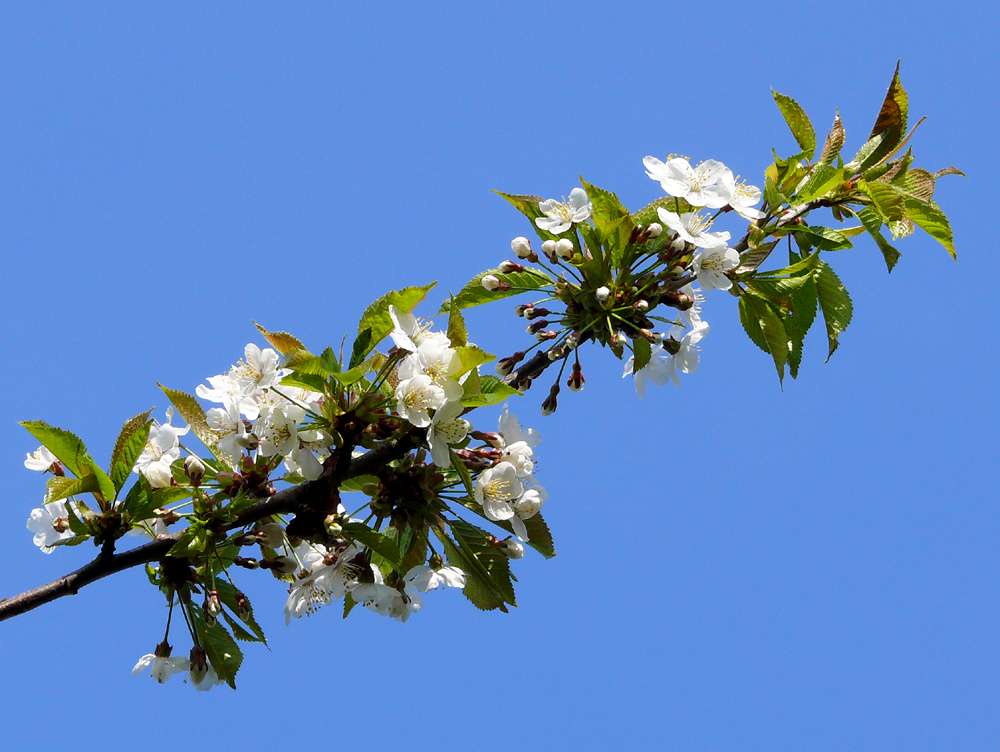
(199, 665)
(641, 306)
(246, 563)
(565, 249)
(282, 565)
(521, 310)
(492, 438)
(513, 548)
(332, 524)
(212, 604)
(521, 247)
(510, 266)
(677, 299)
(546, 335)
(535, 313)
(576, 380)
(556, 353)
(271, 535)
(195, 470)
(654, 230)
(602, 293)
(506, 365)
(618, 339)
(549, 249)
(243, 608)
(492, 282)
(535, 326)
(552, 401)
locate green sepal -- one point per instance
(381, 544)
(376, 317)
(798, 123)
(474, 293)
(128, 446)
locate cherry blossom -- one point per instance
(678, 178)
(560, 216)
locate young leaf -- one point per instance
(763, 325)
(480, 591)
(929, 217)
(62, 487)
(642, 352)
(872, 221)
(472, 541)
(492, 391)
(835, 303)
(463, 472)
(798, 123)
(457, 334)
(66, 446)
(221, 649)
(362, 346)
(283, 342)
(128, 447)
(194, 416)
(376, 317)
(834, 141)
(382, 545)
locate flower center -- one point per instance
(497, 491)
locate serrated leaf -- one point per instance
(380, 544)
(611, 219)
(283, 342)
(62, 487)
(948, 171)
(772, 195)
(128, 446)
(798, 123)
(192, 541)
(834, 141)
(457, 334)
(75, 522)
(358, 483)
(824, 238)
(642, 352)
(872, 222)
(648, 214)
(66, 446)
(105, 488)
(754, 257)
(362, 346)
(539, 535)
(835, 304)
(473, 541)
(492, 391)
(917, 183)
(463, 472)
(75, 540)
(194, 416)
(825, 179)
(894, 108)
(376, 317)
(763, 325)
(474, 293)
(221, 649)
(928, 216)
(227, 594)
(471, 358)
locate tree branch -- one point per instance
(287, 501)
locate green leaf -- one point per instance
(471, 358)
(929, 217)
(824, 238)
(763, 325)
(528, 206)
(892, 116)
(473, 542)
(872, 221)
(799, 320)
(834, 141)
(457, 333)
(824, 180)
(227, 594)
(492, 391)
(474, 293)
(642, 353)
(798, 123)
(75, 521)
(362, 346)
(66, 446)
(283, 342)
(194, 416)
(376, 317)
(772, 195)
(611, 219)
(192, 541)
(463, 472)
(358, 483)
(835, 303)
(128, 447)
(106, 490)
(917, 183)
(380, 544)
(539, 536)
(886, 198)
(62, 487)
(221, 649)
(648, 214)
(75, 540)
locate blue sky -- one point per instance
(740, 567)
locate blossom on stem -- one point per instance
(740, 196)
(41, 460)
(447, 427)
(50, 523)
(496, 489)
(425, 579)
(711, 265)
(678, 178)
(692, 228)
(416, 396)
(163, 666)
(560, 216)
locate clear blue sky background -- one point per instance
(739, 567)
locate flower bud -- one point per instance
(332, 524)
(271, 535)
(654, 230)
(572, 341)
(246, 563)
(565, 249)
(506, 365)
(575, 382)
(521, 310)
(281, 565)
(677, 299)
(530, 503)
(492, 438)
(492, 282)
(243, 608)
(510, 266)
(513, 548)
(521, 247)
(212, 604)
(195, 470)
(546, 335)
(602, 293)
(552, 401)
(199, 665)
(641, 306)
(618, 339)
(536, 326)
(534, 313)
(549, 247)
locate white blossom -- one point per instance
(496, 489)
(678, 178)
(163, 667)
(447, 427)
(692, 228)
(711, 265)
(50, 523)
(41, 460)
(416, 396)
(409, 332)
(560, 216)
(425, 579)
(740, 196)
